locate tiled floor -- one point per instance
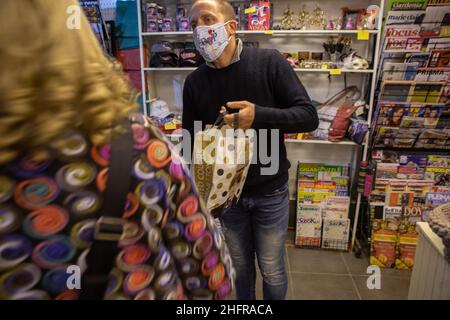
(325, 275)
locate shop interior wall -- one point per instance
(168, 85)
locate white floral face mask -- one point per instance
(211, 41)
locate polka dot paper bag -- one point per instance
(222, 157)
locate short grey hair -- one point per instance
(225, 7)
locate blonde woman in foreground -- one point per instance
(61, 104)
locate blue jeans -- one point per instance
(258, 225)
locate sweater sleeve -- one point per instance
(189, 112)
(294, 112)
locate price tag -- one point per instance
(363, 35)
(324, 66)
(335, 72)
(170, 126)
(269, 32)
(250, 10)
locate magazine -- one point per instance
(404, 17)
(432, 74)
(404, 5)
(387, 170)
(93, 13)
(439, 161)
(431, 23)
(415, 160)
(336, 207)
(399, 199)
(412, 214)
(437, 198)
(308, 226)
(392, 213)
(439, 59)
(335, 233)
(438, 44)
(399, 71)
(402, 31)
(412, 122)
(440, 176)
(420, 58)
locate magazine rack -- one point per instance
(410, 129)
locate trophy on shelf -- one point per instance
(287, 19)
(317, 19)
(303, 18)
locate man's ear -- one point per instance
(232, 27)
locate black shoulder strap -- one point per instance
(109, 228)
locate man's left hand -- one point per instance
(246, 114)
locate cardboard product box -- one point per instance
(258, 15)
(383, 244)
(406, 245)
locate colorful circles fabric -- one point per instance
(45, 222)
(72, 146)
(10, 219)
(34, 193)
(170, 247)
(76, 175)
(82, 204)
(6, 188)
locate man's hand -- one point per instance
(246, 114)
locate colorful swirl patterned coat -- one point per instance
(48, 211)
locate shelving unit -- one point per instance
(267, 32)
(295, 69)
(404, 140)
(307, 150)
(344, 143)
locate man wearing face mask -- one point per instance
(261, 88)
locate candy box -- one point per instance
(383, 253)
(152, 25)
(167, 25)
(259, 15)
(406, 245)
(383, 245)
(183, 24)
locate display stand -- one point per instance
(410, 140)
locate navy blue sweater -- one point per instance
(265, 78)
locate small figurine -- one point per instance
(371, 17)
(317, 18)
(287, 19)
(337, 23)
(330, 25)
(350, 25)
(303, 18)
